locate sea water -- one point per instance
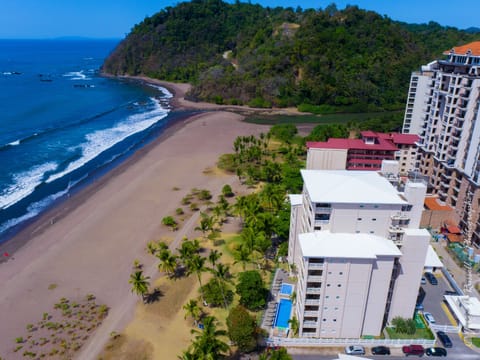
(61, 123)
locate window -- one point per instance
(337, 297)
(359, 219)
(340, 273)
(374, 219)
(339, 285)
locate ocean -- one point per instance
(62, 124)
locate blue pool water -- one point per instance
(283, 313)
(286, 289)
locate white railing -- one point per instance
(313, 290)
(315, 265)
(445, 328)
(321, 342)
(312, 302)
(314, 278)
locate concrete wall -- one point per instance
(326, 159)
(414, 252)
(377, 296)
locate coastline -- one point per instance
(87, 243)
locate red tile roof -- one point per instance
(368, 133)
(452, 229)
(407, 139)
(351, 144)
(453, 238)
(474, 48)
(431, 203)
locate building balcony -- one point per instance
(323, 210)
(446, 175)
(314, 278)
(321, 222)
(310, 324)
(312, 302)
(395, 229)
(400, 216)
(314, 290)
(315, 265)
(310, 313)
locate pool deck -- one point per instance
(281, 277)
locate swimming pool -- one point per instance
(283, 313)
(286, 289)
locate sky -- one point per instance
(115, 18)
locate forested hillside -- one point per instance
(241, 53)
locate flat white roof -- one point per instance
(432, 260)
(295, 199)
(346, 245)
(343, 186)
(458, 305)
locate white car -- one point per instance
(355, 350)
(429, 317)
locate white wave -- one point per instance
(101, 140)
(7, 73)
(76, 75)
(33, 210)
(14, 143)
(167, 94)
(24, 184)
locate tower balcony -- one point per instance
(312, 301)
(310, 324)
(310, 313)
(314, 290)
(315, 278)
(315, 265)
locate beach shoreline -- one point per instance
(87, 243)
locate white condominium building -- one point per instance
(443, 109)
(357, 250)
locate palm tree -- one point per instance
(196, 264)
(168, 263)
(188, 249)
(193, 310)
(139, 283)
(206, 224)
(213, 257)
(242, 255)
(222, 273)
(207, 344)
(294, 325)
(152, 247)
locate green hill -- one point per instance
(241, 53)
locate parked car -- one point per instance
(419, 307)
(429, 317)
(423, 281)
(450, 292)
(431, 278)
(413, 350)
(444, 339)
(380, 350)
(436, 351)
(355, 350)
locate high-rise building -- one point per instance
(443, 109)
(357, 251)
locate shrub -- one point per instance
(252, 291)
(179, 211)
(227, 191)
(169, 221)
(213, 294)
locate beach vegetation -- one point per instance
(208, 343)
(139, 283)
(227, 191)
(242, 329)
(186, 200)
(275, 354)
(252, 291)
(170, 222)
(19, 340)
(204, 195)
(192, 310)
(179, 211)
(215, 293)
(194, 206)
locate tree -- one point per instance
(196, 264)
(222, 274)
(242, 329)
(404, 326)
(294, 325)
(242, 255)
(192, 310)
(139, 283)
(252, 291)
(215, 295)
(206, 224)
(168, 263)
(207, 344)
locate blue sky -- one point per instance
(115, 18)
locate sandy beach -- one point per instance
(88, 243)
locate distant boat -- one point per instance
(83, 86)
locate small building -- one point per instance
(366, 153)
(436, 213)
(460, 305)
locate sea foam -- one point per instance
(101, 140)
(24, 183)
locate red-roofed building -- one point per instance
(366, 153)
